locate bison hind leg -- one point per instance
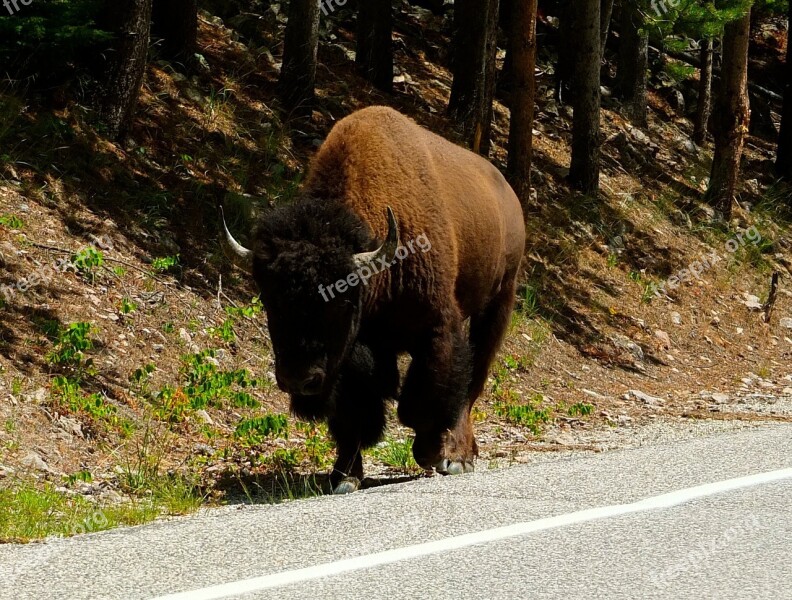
(434, 402)
(487, 331)
(357, 418)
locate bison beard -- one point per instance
(338, 358)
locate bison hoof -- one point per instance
(347, 485)
(449, 467)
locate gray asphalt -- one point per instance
(735, 544)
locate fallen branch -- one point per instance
(771, 298)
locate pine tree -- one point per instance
(584, 170)
(374, 42)
(300, 48)
(783, 164)
(522, 47)
(475, 45)
(633, 61)
(130, 20)
(731, 114)
(176, 22)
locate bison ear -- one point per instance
(388, 248)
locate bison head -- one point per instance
(298, 254)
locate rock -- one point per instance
(204, 417)
(645, 398)
(677, 100)
(787, 391)
(624, 420)
(38, 397)
(720, 398)
(676, 318)
(752, 302)
(752, 187)
(204, 449)
(786, 322)
(625, 343)
(6, 471)
(72, 426)
(184, 336)
(35, 462)
(664, 338)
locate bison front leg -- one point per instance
(434, 402)
(357, 418)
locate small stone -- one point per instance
(786, 322)
(720, 398)
(752, 302)
(35, 462)
(664, 338)
(72, 426)
(6, 471)
(624, 420)
(204, 449)
(204, 417)
(676, 318)
(645, 398)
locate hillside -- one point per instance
(175, 403)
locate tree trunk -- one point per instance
(522, 47)
(566, 49)
(475, 46)
(300, 47)
(130, 21)
(584, 170)
(731, 116)
(705, 93)
(783, 165)
(506, 18)
(633, 63)
(176, 22)
(375, 42)
(605, 21)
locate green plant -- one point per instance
(255, 307)
(70, 347)
(83, 476)
(528, 302)
(581, 409)
(207, 385)
(69, 394)
(166, 263)
(396, 453)
(87, 261)
(225, 332)
(11, 221)
(317, 444)
(255, 430)
(127, 306)
(529, 414)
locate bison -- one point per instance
(379, 179)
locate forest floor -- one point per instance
(166, 400)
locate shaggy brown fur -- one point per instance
(373, 159)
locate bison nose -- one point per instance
(307, 386)
(313, 384)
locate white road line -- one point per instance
(368, 561)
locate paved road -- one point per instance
(704, 518)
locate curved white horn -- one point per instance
(241, 256)
(388, 248)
